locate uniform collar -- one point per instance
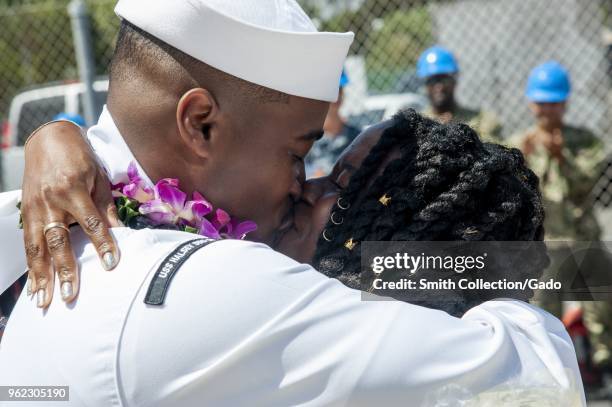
(112, 150)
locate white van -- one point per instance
(32, 108)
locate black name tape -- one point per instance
(168, 268)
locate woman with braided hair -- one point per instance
(413, 179)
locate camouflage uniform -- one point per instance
(566, 193)
(566, 188)
(598, 321)
(485, 123)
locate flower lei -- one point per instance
(165, 206)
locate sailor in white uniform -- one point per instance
(240, 324)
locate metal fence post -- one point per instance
(83, 46)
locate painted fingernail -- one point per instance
(66, 290)
(41, 295)
(108, 261)
(29, 287)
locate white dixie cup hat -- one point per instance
(271, 43)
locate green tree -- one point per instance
(104, 27)
(37, 47)
(390, 35)
(395, 48)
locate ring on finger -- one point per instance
(53, 225)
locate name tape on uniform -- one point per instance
(168, 268)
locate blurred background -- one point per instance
(54, 56)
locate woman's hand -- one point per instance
(62, 184)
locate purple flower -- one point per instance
(221, 219)
(117, 190)
(159, 212)
(166, 204)
(231, 228)
(171, 207)
(222, 226)
(208, 229)
(167, 191)
(239, 230)
(136, 188)
(194, 211)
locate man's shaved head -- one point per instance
(139, 55)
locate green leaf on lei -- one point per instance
(127, 209)
(190, 229)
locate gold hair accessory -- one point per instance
(471, 231)
(342, 207)
(335, 222)
(350, 244)
(384, 200)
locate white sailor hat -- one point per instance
(271, 43)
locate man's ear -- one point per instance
(197, 113)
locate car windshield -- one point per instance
(100, 101)
(35, 113)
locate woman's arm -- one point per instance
(63, 183)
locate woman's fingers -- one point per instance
(103, 198)
(30, 283)
(39, 264)
(62, 183)
(90, 218)
(50, 251)
(64, 263)
(47, 239)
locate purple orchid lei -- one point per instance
(166, 206)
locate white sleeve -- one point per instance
(244, 325)
(11, 240)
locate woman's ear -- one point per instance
(196, 115)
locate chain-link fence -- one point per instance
(37, 54)
(497, 43)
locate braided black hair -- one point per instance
(447, 185)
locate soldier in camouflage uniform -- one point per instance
(438, 67)
(568, 162)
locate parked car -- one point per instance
(32, 108)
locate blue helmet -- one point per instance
(548, 83)
(75, 118)
(344, 79)
(436, 61)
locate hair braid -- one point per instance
(446, 185)
(359, 224)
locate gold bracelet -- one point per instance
(46, 124)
